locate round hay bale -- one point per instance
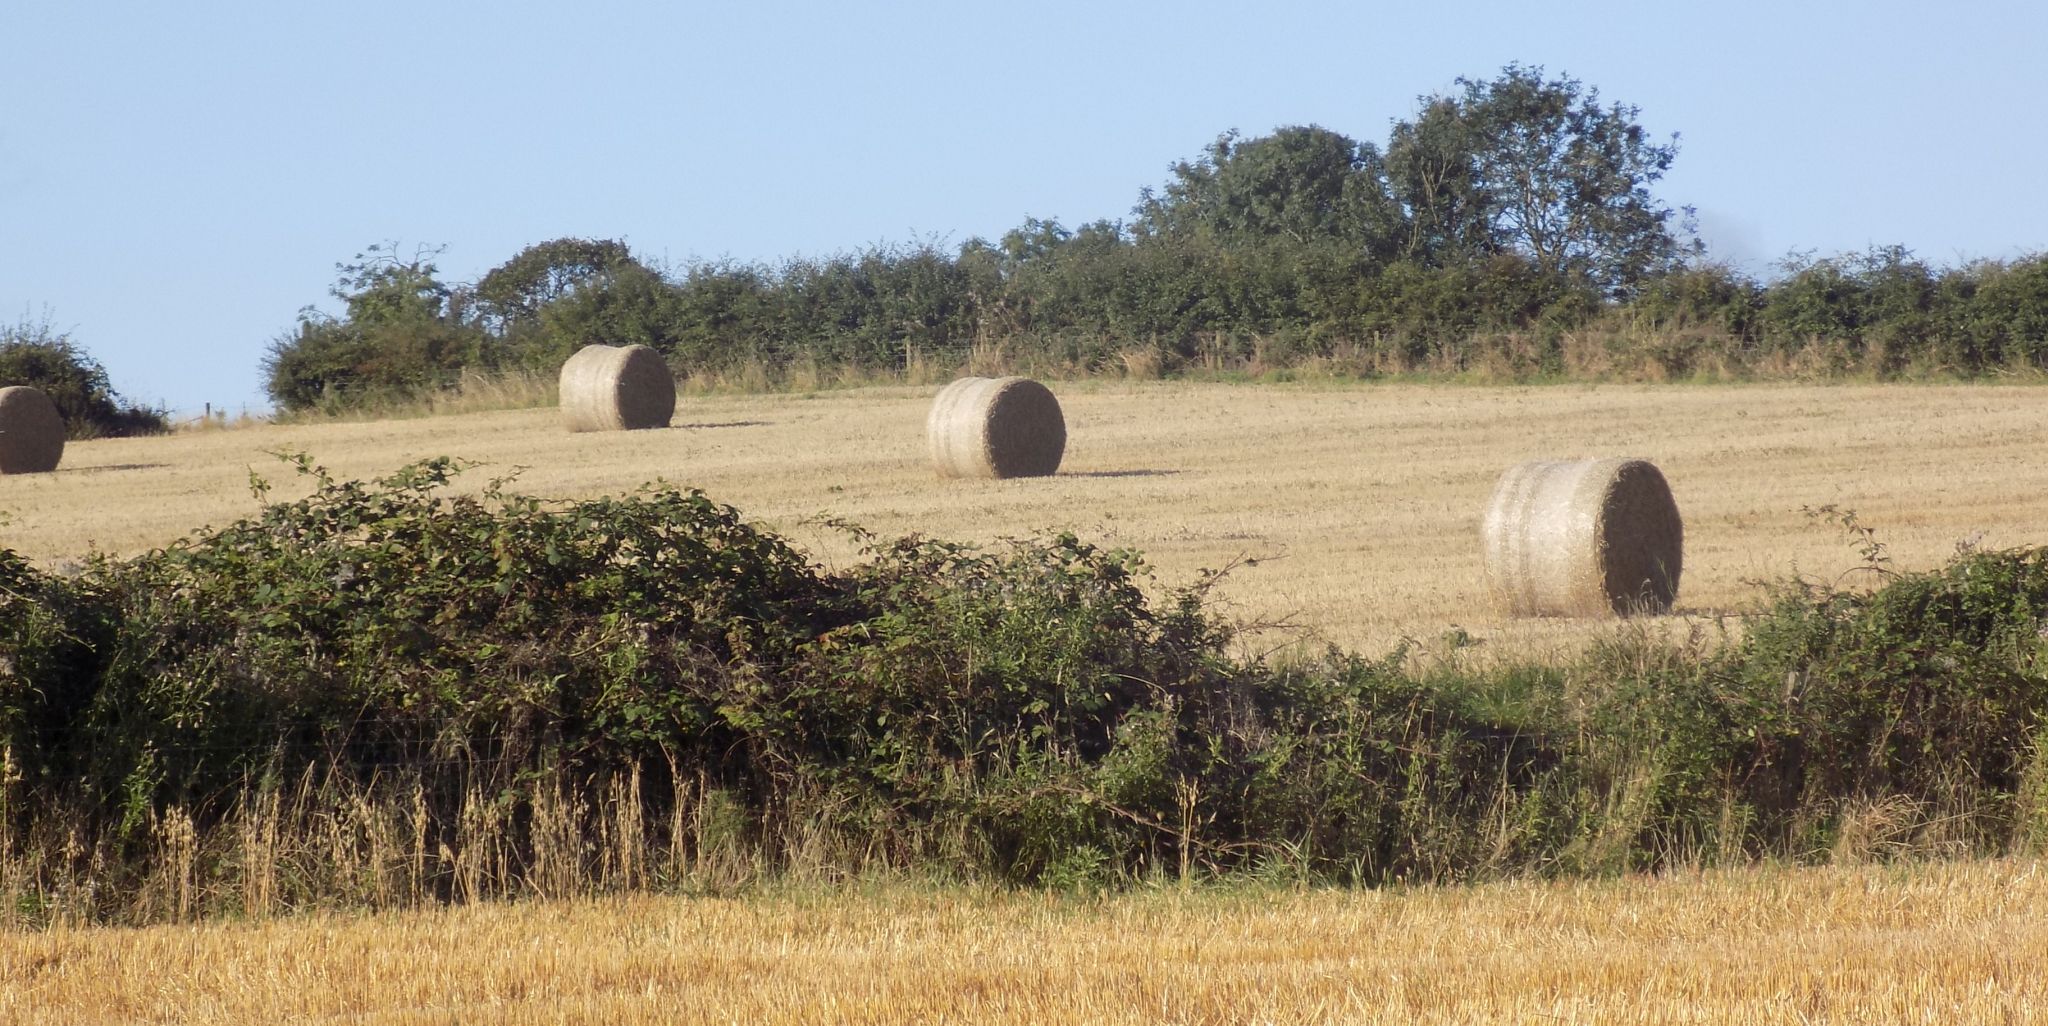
(996, 427)
(617, 388)
(1583, 538)
(31, 431)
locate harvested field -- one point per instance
(1361, 503)
(1949, 943)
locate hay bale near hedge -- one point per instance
(1583, 538)
(617, 388)
(996, 427)
(31, 431)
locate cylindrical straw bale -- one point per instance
(996, 427)
(31, 431)
(617, 388)
(1583, 538)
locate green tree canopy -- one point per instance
(555, 297)
(1539, 166)
(1303, 183)
(515, 291)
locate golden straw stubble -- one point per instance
(31, 431)
(1583, 538)
(617, 388)
(996, 427)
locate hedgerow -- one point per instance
(392, 692)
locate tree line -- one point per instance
(1506, 226)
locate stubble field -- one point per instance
(1959, 943)
(1360, 505)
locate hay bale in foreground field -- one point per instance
(996, 427)
(1583, 538)
(617, 388)
(31, 431)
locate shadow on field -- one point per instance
(110, 466)
(727, 424)
(1122, 473)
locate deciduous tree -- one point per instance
(1540, 166)
(1305, 184)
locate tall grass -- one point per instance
(1611, 350)
(475, 391)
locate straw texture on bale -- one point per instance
(1583, 538)
(31, 431)
(996, 427)
(617, 388)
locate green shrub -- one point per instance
(501, 681)
(404, 334)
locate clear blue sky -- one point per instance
(177, 180)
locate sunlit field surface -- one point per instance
(1955, 943)
(1360, 504)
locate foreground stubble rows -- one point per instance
(1959, 943)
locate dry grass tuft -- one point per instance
(617, 388)
(31, 431)
(996, 427)
(1583, 538)
(476, 391)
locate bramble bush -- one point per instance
(390, 692)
